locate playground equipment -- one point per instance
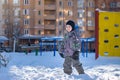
(107, 33)
(84, 48)
(53, 43)
(85, 45)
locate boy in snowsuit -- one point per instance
(70, 48)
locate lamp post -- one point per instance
(28, 18)
(14, 42)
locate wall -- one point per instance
(109, 34)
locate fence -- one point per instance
(84, 48)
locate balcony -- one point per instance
(50, 27)
(16, 5)
(49, 17)
(50, 7)
(91, 28)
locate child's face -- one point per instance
(68, 28)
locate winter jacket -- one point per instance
(70, 44)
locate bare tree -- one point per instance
(16, 33)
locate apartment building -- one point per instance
(108, 5)
(37, 17)
(46, 17)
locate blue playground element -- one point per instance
(49, 39)
(84, 48)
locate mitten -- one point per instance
(61, 54)
(75, 55)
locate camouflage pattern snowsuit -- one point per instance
(70, 47)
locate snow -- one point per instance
(49, 67)
(3, 38)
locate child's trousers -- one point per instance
(69, 61)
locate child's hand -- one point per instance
(76, 55)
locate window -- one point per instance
(26, 31)
(26, 11)
(60, 22)
(26, 2)
(80, 4)
(70, 13)
(60, 32)
(39, 2)
(113, 5)
(90, 4)
(26, 21)
(60, 13)
(39, 12)
(90, 14)
(103, 5)
(80, 13)
(16, 22)
(39, 22)
(4, 1)
(60, 3)
(70, 3)
(39, 31)
(15, 1)
(80, 22)
(90, 23)
(118, 4)
(17, 12)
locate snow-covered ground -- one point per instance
(49, 67)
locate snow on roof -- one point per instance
(87, 39)
(3, 38)
(28, 36)
(52, 38)
(97, 9)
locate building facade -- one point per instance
(1, 19)
(86, 17)
(108, 5)
(46, 17)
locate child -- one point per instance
(70, 49)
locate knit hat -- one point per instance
(71, 23)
